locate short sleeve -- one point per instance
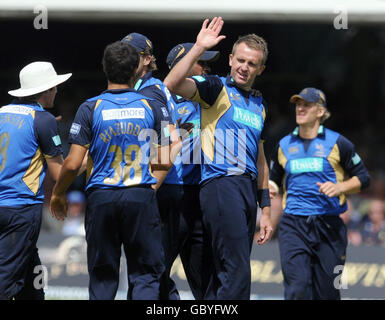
(162, 97)
(162, 119)
(81, 128)
(351, 161)
(265, 121)
(46, 130)
(208, 89)
(276, 170)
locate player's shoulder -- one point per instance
(288, 138)
(211, 79)
(343, 142)
(44, 117)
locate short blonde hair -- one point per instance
(255, 42)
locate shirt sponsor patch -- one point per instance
(56, 140)
(199, 78)
(167, 93)
(248, 118)
(306, 165)
(126, 113)
(166, 132)
(183, 110)
(356, 159)
(164, 111)
(16, 109)
(75, 128)
(197, 125)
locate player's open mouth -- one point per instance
(242, 77)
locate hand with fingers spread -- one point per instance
(209, 36)
(329, 188)
(58, 206)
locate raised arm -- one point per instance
(177, 81)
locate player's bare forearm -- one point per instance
(70, 169)
(54, 166)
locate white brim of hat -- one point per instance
(25, 92)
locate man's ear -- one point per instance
(147, 60)
(321, 111)
(230, 59)
(261, 69)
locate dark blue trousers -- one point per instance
(311, 247)
(19, 231)
(182, 234)
(229, 206)
(169, 197)
(127, 217)
(191, 241)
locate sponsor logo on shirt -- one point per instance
(164, 111)
(235, 96)
(16, 109)
(320, 150)
(196, 130)
(56, 140)
(306, 165)
(183, 110)
(167, 93)
(199, 78)
(126, 113)
(356, 159)
(293, 150)
(75, 128)
(248, 118)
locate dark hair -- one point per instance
(120, 61)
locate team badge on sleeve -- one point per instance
(164, 111)
(56, 140)
(75, 128)
(356, 159)
(199, 78)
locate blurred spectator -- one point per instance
(352, 219)
(373, 227)
(74, 224)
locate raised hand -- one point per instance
(209, 36)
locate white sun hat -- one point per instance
(37, 77)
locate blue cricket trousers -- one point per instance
(169, 197)
(191, 241)
(19, 231)
(229, 205)
(128, 217)
(311, 247)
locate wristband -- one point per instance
(263, 197)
